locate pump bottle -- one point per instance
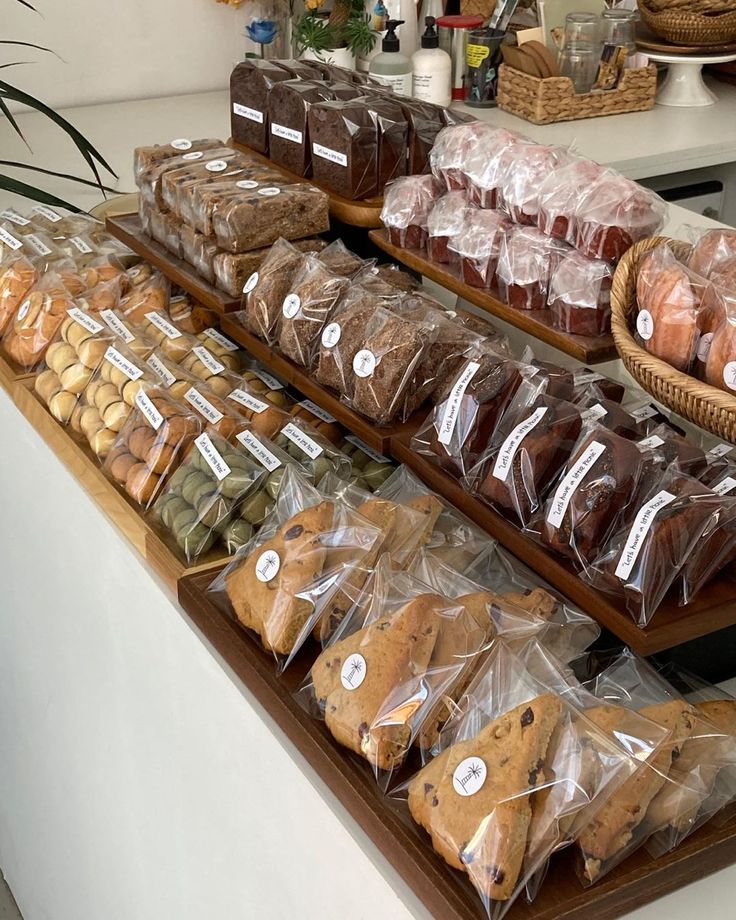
(391, 66)
(432, 79)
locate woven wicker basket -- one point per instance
(706, 406)
(544, 101)
(686, 27)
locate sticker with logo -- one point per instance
(181, 143)
(248, 184)
(331, 335)
(645, 324)
(268, 565)
(194, 155)
(353, 671)
(291, 305)
(216, 166)
(469, 776)
(24, 308)
(250, 283)
(269, 191)
(364, 363)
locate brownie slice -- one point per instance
(425, 123)
(250, 85)
(344, 140)
(289, 134)
(393, 137)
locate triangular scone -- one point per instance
(614, 824)
(538, 602)
(375, 719)
(270, 605)
(409, 534)
(459, 643)
(694, 772)
(485, 833)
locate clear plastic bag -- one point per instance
(321, 420)
(458, 145)
(393, 138)
(482, 166)
(37, 320)
(170, 340)
(344, 139)
(199, 202)
(524, 265)
(251, 83)
(611, 416)
(425, 123)
(521, 173)
(558, 197)
(213, 359)
(406, 206)
(265, 290)
(579, 294)
(711, 251)
(341, 261)
(146, 157)
(289, 141)
(18, 275)
(150, 295)
(478, 246)
(313, 451)
(584, 377)
(257, 406)
(444, 222)
(370, 467)
(671, 447)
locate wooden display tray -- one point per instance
(10, 372)
(447, 894)
(363, 213)
(588, 349)
(377, 438)
(714, 608)
(127, 228)
(118, 508)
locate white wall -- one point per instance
(128, 49)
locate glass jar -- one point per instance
(618, 28)
(579, 62)
(582, 28)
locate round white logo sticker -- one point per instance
(353, 671)
(268, 192)
(24, 308)
(469, 776)
(215, 165)
(268, 565)
(181, 143)
(250, 283)
(247, 183)
(331, 335)
(729, 375)
(291, 305)
(704, 346)
(194, 155)
(364, 363)
(645, 325)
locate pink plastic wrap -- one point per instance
(712, 249)
(445, 221)
(406, 206)
(524, 267)
(458, 145)
(559, 194)
(481, 168)
(478, 246)
(521, 173)
(580, 294)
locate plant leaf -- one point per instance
(25, 3)
(14, 124)
(15, 63)
(5, 41)
(35, 194)
(51, 172)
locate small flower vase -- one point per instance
(268, 28)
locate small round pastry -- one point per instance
(273, 483)
(131, 389)
(106, 371)
(178, 477)
(179, 428)
(170, 510)
(61, 406)
(196, 541)
(160, 456)
(183, 522)
(140, 441)
(76, 334)
(47, 384)
(192, 484)
(141, 483)
(256, 506)
(90, 422)
(102, 441)
(102, 298)
(212, 510)
(204, 493)
(115, 415)
(237, 534)
(105, 396)
(60, 356)
(118, 378)
(179, 387)
(76, 377)
(376, 473)
(121, 466)
(91, 351)
(92, 389)
(75, 420)
(220, 385)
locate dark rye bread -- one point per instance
(290, 102)
(425, 123)
(344, 140)
(250, 85)
(393, 137)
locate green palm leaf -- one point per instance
(60, 175)
(35, 194)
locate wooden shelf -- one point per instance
(377, 438)
(10, 372)
(447, 894)
(117, 507)
(364, 213)
(127, 228)
(589, 350)
(714, 608)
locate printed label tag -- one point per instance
(212, 456)
(729, 375)
(181, 143)
(645, 325)
(469, 776)
(37, 244)
(327, 154)
(725, 486)
(570, 483)
(593, 414)
(221, 339)
(262, 454)
(79, 316)
(216, 166)
(24, 308)
(639, 529)
(317, 411)
(48, 213)
(367, 449)
(208, 359)
(643, 413)
(245, 112)
(452, 405)
(148, 410)
(120, 361)
(117, 326)
(247, 184)
(9, 239)
(250, 402)
(268, 565)
(288, 134)
(83, 247)
(331, 335)
(353, 671)
(704, 343)
(194, 155)
(513, 442)
(269, 192)
(585, 376)
(163, 325)
(160, 369)
(720, 450)
(652, 441)
(250, 283)
(202, 405)
(364, 363)
(297, 436)
(271, 382)
(15, 218)
(291, 306)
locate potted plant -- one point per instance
(336, 37)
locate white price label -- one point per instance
(261, 453)
(161, 371)
(729, 375)
(269, 192)
(163, 325)
(273, 383)
(194, 155)
(250, 114)
(703, 349)
(24, 308)
(37, 244)
(48, 213)
(725, 486)
(216, 165)
(364, 363)
(645, 325)
(80, 244)
(9, 239)
(720, 450)
(644, 413)
(317, 411)
(452, 404)
(121, 362)
(14, 217)
(331, 335)
(85, 320)
(148, 410)
(248, 184)
(639, 529)
(469, 776)
(570, 483)
(202, 405)
(250, 283)
(310, 447)
(353, 671)
(247, 400)
(367, 449)
(116, 325)
(651, 442)
(212, 456)
(268, 565)
(181, 143)
(208, 359)
(593, 413)
(288, 134)
(512, 443)
(291, 306)
(326, 153)
(222, 340)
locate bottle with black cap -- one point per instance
(391, 66)
(432, 80)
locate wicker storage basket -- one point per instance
(706, 406)
(685, 27)
(544, 101)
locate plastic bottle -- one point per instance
(391, 66)
(409, 31)
(432, 80)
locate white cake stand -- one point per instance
(683, 85)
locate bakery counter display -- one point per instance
(405, 675)
(501, 222)
(674, 316)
